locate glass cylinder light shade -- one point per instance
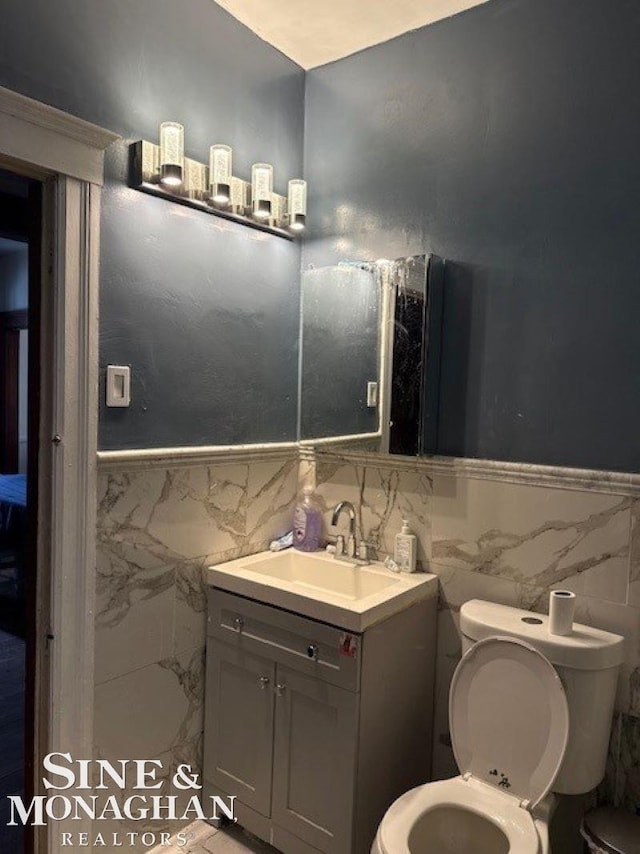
(297, 204)
(239, 198)
(261, 189)
(171, 153)
(195, 179)
(220, 174)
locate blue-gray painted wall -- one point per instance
(507, 140)
(205, 311)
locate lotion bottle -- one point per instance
(406, 547)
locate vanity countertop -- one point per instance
(316, 585)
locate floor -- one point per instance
(204, 839)
(12, 664)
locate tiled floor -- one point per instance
(204, 839)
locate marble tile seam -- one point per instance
(176, 653)
(125, 673)
(175, 562)
(444, 570)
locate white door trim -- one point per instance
(45, 142)
(45, 137)
(73, 470)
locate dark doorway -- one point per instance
(20, 263)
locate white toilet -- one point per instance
(530, 714)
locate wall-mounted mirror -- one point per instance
(370, 340)
(340, 339)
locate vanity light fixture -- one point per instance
(171, 153)
(164, 171)
(220, 158)
(261, 190)
(297, 204)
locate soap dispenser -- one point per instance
(307, 522)
(406, 547)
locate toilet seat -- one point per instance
(509, 722)
(467, 795)
(509, 718)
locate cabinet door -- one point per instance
(314, 761)
(239, 724)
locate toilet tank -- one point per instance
(587, 661)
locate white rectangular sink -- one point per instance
(325, 576)
(317, 585)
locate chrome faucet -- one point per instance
(350, 548)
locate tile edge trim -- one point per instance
(555, 477)
(181, 457)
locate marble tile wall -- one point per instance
(157, 530)
(382, 498)
(509, 542)
(497, 538)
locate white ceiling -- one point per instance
(313, 32)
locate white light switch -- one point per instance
(372, 394)
(118, 385)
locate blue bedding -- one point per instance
(13, 489)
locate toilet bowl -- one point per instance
(509, 715)
(459, 815)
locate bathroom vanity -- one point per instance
(317, 725)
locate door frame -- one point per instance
(67, 154)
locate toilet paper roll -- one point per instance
(562, 607)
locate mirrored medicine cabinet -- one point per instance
(370, 347)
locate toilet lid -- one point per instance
(509, 717)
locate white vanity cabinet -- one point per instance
(314, 729)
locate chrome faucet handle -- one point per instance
(340, 548)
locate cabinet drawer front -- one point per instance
(239, 709)
(316, 649)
